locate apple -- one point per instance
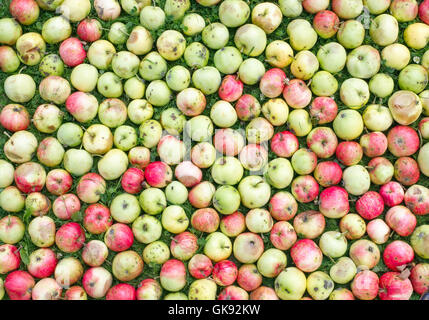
(406, 171)
(364, 253)
(301, 34)
(9, 258)
(353, 226)
(249, 277)
(18, 285)
(272, 262)
(200, 266)
(392, 193)
(65, 206)
(309, 224)
(51, 65)
(113, 164)
(356, 180)
(42, 231)
(370, 205)
(223, 114)
(378, 30)
(25, 11)
(152, 67)
(396, 56)
(374, 144)
(250, 71)
(304, 65)
(50, 152)
(134, 88)
(332, 57)
(202, 289)
(365, 285)
(8, 171)
(227, 141)
(178, 78)
(419, 277)
(77, 161)
(259, 130)
(328, 173)
(89, 30)
(14, 117)
(234, 13)
(12, 30)
(156, 252)
(121, 291)
(253, 157)
(377, 6)
(297, 94)
(176, 9)
(125, 208)
(82, 106)
(205, 220)
(226, 199)
(147, 229)
(173, 275)
(139, 157)
(414, 78)
(56, 29)
(91, 187)
(354, 93)
(248, 247)
(279, 173)
(225, 273)
(176, 193)
(423, 127)
(404, 10)
(193, 24)
(173, 121)
(393, 287)
(30, 177)
(322, 141)
(306, 255)
(347, 9)
(304, 161)
(341, 294)
(197, 55)
(139, 111)
(250, 39)
(254, 192)
(174, 219)
(11, 229)
(333, 202)
(378, 231)
(153, 201)
(419, 240)
(422, 159)
(397, 254)
(343, 271)
(97, 281)
(305, 189)
(70, 237)
(259, 220)
(110, 86)
(132, 180)
(415, 35)
(290, 284)
(283, 235)
(152, 17)
(319, 285)
(381, 85)
(403, 141)
(46, 289)
(94, 253)
(233, 224)
(323, 109)
(291, 9)
(401, 220)
(11, 199)
(68, 271)
(127, 265)
(119, 237)
(377, 117)
(148, 289)
(42, 263)
(37, 204)
(351, 34)
(326, 23)
(118, 33)
(9, 61)
(19, 88)
(324, 84)
(279, 54)
(416, 199)
(380, 171)
(333, 244)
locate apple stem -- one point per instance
(20, 70)
(421, 138)
(7, 134)
(17, 249)
(175, 240)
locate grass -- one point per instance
(113, 187)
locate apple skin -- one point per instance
(72, 52)
(95, 253)
(184, 245)
(253, 157)
(158, 174)
(91, 187)
(68, 271)
(306, 255)
(58, 181)
(127, 265)
(173, 275)
(82, 106)
(356, 180)
(121, 291)
(225, 273)
(283, 235)
(20, 147)
(417, 199)
(188, 174)
(404, 10)
(364, 253)
(304, 161)
(254, 192)
(370, 205)
(319, 285)
(334, 202)
(247, 107)
(119, 237)
(347, 9)
(191, 102)
(97, 282)
(348, 125)
(419, 277)
(12, 229)
(309, 224)
(397, 254)
(132, 180)
(272, 83)
(30, 177)
(89, 30)
(290, 284)
(42, 263)
(406, 171)
(365, 285)
(249, 277)
(10, 258)
(343, 271)
(380, 170)
(227, 141)
(392, 193)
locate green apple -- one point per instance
(377, 117)
(348, 124)
(193, 23)
(351, 34)
(396, 56)
(228, 59)
(343, 271)
(125, 208)
(147, 229)
(319, 285)
(299, 121)
(272, 262)
(354, 93)
(305, 65)
(156, 252)
(218, 247)
(324, 84)
(333, 244)
(381, 85)
(251, 71)
(413, 77)
(254, 191)
(215, 35)
(207, 79)
(226, 199)
(250, 40)
(176, 193)
(196, 55)
(223, 114)
(290, 284)
(356, 180)
(234, 13)
(384, 30)
(153, 67)
(301, 34)
(174, 219)
(178, 78)
(279, 173)
(332, 57)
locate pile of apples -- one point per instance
(271, 150)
